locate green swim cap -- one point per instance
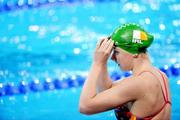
(132, 38)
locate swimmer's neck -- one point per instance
(140, 64)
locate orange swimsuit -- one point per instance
(123, 113)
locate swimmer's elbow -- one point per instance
(84, 109)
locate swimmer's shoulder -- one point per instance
(133, 85)
(133, 79)
(137, 83)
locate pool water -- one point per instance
(51, 41)
(57, 105)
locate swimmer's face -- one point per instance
(122, 58)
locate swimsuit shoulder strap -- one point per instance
(166, 92)
(165, 95)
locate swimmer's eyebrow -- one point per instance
(116, 51)
(115, 48)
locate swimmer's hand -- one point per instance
(102, 52)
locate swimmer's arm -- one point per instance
(90, 86)
(125, 91)
(100, 56)
(104, 82)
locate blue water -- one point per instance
(62, 104)
(48, 41)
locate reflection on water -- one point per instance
(46, 40)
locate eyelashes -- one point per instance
(116, 52)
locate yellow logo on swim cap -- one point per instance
(138, 36)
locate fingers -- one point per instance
(110, 47)
(99, 43)
(105, 45)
